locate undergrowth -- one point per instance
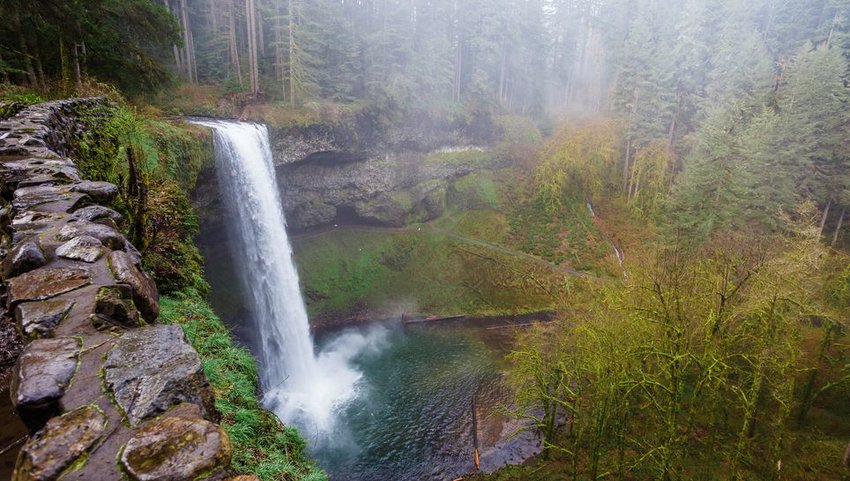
(262, 445)
(154, 163)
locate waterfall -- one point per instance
(298, 385)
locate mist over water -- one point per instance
(300, 386)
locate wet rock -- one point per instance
(176, 449)
(150, 369)
(84, 248)
(39, 319)
(47, 202)
(45, 283)
(106, 235)
(127, 271)
(34, 142)
(62, 442)
(98, 191)
(25, 256)
(95, 213)
(42, 374)
(314, 213)
(28, 218)
(115, 303)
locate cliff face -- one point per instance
(389, 191)
(331, 174)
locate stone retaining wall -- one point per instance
(107, 393)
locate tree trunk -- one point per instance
(75, 58)
(261, 36)
(30, 71)
(191, 68)
(65, 68)
(5, 73)
(178, 61)
(251, 18)
(42, 79)
(832, 29)
(234, 48)
(458, 70)
(626, 166)
(292, 55)
(823, 219)
(847, 456)
(279, 55)
(502, 80)
(635, 97)
(838, 228)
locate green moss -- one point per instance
(474, 191)
(154, 164)
(261, 444)
(470, 157)
(390, 273)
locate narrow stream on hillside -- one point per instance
(386, 401)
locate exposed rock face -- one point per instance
(384, 191)
(175, 449)
(44, 371)
(84, 248)
(364, 172)
(339, 187)
(91, 378)
(153, 368)
(25, 257)
(46, 283)
(63, 441)
(39, 319)
(127, 271)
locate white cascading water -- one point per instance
(299, 386)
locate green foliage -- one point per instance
(261, 444)
(691, 370)
(154, 164)
(474, 191)
(578, 161)
(649, 178)
(348, 271)
(566, 235)
(57, 44)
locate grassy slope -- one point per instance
(390, 273)
(261, 444)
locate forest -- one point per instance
(709, 140)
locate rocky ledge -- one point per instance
(107, 393)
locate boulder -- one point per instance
(31, 197)
(63, 441)
(84, 248)
(115, 303)
(151, 369)
(176, 449)
(126, 269)
(24, 257)
(105, 234)
(42, 374)
(95, 213)
(39, 319)
(98, 191)
(45, 283)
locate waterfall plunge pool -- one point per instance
(412, 416)
(383, 402)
